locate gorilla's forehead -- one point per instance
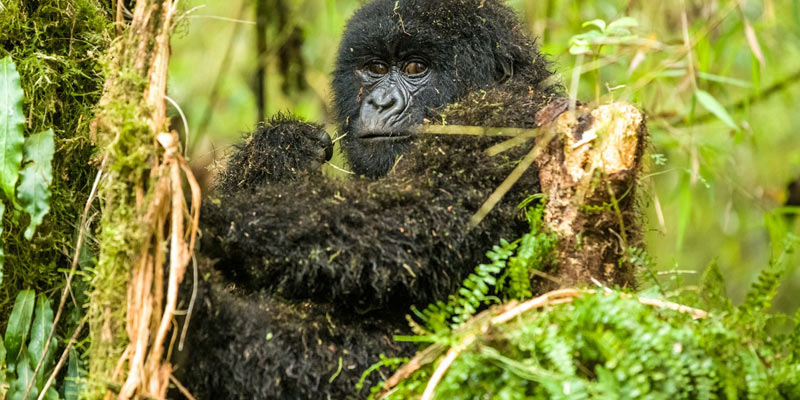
(397, 28)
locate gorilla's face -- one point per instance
(401, 61)
(391, 102)
(388, 111)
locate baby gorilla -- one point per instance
(305, 279)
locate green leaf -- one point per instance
(37, 175)
(19, 385)
(724, 80)
(19, 324)
(599, 23)
(713, 290)
(623, 23)
(42, 325)
(2, 255)
(12, 122)
(712, 105)
(72, 387)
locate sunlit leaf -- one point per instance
(599, 23)
(12, 122)
(19, 323)
(724, 80)
(623, 23)
(712, 105)
(37, 175)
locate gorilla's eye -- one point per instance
(378, 68)
(415, 68)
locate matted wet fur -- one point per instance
(304, 279)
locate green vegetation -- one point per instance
(54, 46)
(508, 277)
(606, 344)
(718, 80)
(28, 328)
(26, 161)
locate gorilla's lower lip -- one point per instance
(383, 136)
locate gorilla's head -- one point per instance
(401, 61)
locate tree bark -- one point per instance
(143, 226)
(588, 172)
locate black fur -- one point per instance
(468, 44)
(306, 278)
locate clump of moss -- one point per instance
(127, 147)
(56, 46)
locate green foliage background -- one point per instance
(711, 192)
(55, 46)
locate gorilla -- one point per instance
(304, 279)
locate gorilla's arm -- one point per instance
(372, 243)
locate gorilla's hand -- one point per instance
(280, 149)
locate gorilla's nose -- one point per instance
(383, 109)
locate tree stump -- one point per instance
(588, 171)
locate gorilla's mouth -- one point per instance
(384, 136)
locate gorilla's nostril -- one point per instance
(383, 108)
(384, 100)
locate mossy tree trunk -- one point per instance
(56, 46)
(142, 227)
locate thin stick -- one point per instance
(444, 365)
(62, 359)
(191, 305)
(507, 313)
(512, 178)
(181, 388)
(535, 303)
(474, 130)
(511, 143)
(68, 283)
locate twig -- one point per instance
(512, 178)
(474, 130)
(503, 315)
(340, 169)
(444, 365)
(186, 134)
(181, 388)
(538, 302)
(191, 304)
(61, 360)
(424, 357)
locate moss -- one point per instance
(127, 145)
(56, 45)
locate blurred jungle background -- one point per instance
(719, 80)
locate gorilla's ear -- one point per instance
(504, 68)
